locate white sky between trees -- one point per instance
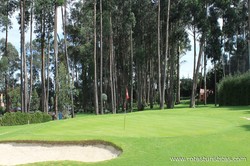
(186, 69)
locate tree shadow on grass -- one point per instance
(246, 127)
(238, 108)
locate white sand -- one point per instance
(16, 153)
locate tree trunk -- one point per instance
(70, 82)
(131, 69)
(159, 55)
(151, 96)
(115, 85)
(248, 33)
(111, 63)
(21, 50)
(166, 56)
(178, 96)
(139, 88)
(101, 61)
(56, 63)
(25, 65)
(95, 65)
(23, 55)
(6, 54)
(47, 91)
(31, 56)
(215, 84)
(170, 101)
(205, 79)
(196, 73)
(194, 38)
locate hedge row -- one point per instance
(235, 90)
(18, 118)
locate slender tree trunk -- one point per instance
(56, 62)
(6, 54)
(48, 84)
(192, 101)
(23, 55)
(101, 53)
(248, 33)
(148, 81)
(70, 81)
(111, 63)
(196, 73)
(31, 56)
(194, 38)
(178, 96)
(170, 102)
(159, 55)
(205, 66)
(25, 65)
(205, 79)
(131, 69)
(43, 71)
(115, 85)
(215, 84)
(151, 96)
(95, 65)
(21, 49)
(139, 87)
(166, 55)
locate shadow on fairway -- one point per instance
(246, 127)
(238, 108)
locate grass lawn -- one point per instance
(153, 137)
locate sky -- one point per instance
(186, 69)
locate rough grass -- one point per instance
(152, 137)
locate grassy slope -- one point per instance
(152, 137)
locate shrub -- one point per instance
(9, 119)
(21, 118)
(235, 90)
(46, 118)
(18, 118)
(37, 117)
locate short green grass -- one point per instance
(152, 137)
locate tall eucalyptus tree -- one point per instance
(7, 9)
(95, 64)
(42, 14)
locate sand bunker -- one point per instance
(24, 153)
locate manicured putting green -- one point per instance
(153, 137)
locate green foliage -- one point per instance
(186, 87)
(2, 110)
(35, 101)
(59, 2)
(64, 100)
(37, 117)
(235, 90)
(19, 118)
(9, 119)
(15, 97)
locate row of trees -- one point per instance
(109, 46)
